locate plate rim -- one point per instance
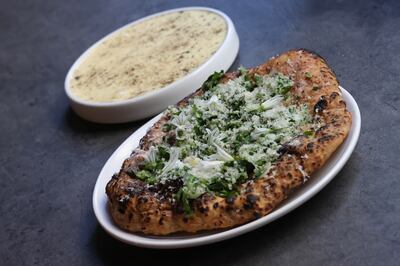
(168, 243)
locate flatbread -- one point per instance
(137, 207)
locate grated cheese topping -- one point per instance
(227, 136)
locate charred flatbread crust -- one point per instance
(135, 206)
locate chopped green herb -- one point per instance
(163, 152)
(308, 75)
(283, 84)
(243, 70)
(249, 81)
(258, 79)
(147, 176)
(213, 80)
(168, 127)
(181, 197)
(308, 133)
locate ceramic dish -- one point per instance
(154, 102)
(318, 180)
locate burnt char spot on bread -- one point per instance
(122, 203)
(135, 206)
(334, 95)
(230, 199)
(320, 105)
(292, 146)
(325, 138)
(251, 200)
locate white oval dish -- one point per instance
(155, 101)
(317, 181)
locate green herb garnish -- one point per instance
(308, 133)
(227, 135)
(213, 80)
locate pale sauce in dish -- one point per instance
(148, 55)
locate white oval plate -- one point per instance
(318, 180)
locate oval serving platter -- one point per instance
(318, 181)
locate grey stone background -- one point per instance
(50, 158)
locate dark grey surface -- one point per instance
(50, 158)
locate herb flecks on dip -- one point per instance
(225, 137)
(148, 55)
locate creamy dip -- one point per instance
(148, 55)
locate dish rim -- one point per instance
(169, 242)
(155, 93)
